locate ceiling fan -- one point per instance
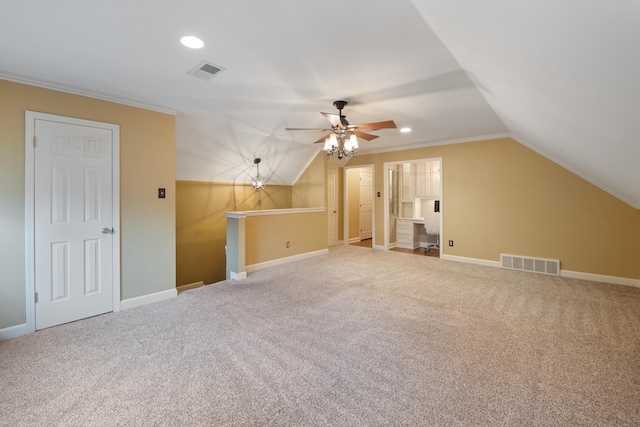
(341, 141)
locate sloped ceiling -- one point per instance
(560, 77)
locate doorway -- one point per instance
(413, 206)
(366, 204)
(359, 206)
(72, 210)
(332, 205)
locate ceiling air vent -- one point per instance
(205, 71)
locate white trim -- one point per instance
(386, 221)
(29, 190)
(244, 214)
(236, 215)
(345, 196)
(354, 240)
(75, 90)
(29, 222)
(477, 261)
(378, 247)
(14, 331)
(385, 203)
(614, 280)
(600, 278)
(435, 143)
(280, 261)
(373, 203)
(117, 231)
(333, 169)
(148, 299)
(237, 276)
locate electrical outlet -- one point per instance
(450, 242)
(288, 244)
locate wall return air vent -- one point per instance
(534, 265)
(205, 70)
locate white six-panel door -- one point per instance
(332, 205)
(366, 204)
(73, 222)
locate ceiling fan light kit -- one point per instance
(342, 142)
(340, 146)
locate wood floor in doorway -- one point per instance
(367, 243)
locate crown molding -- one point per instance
(75, 90)
(413, 146)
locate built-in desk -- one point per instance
(408, 232)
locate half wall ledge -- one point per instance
(261, 238)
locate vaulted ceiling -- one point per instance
(558, 76)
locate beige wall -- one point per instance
(201, 224)
(201, 220)
(147, 162)
(501, 197)
(267, 236)
(309, 189)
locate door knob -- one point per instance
(107, 230)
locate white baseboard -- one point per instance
(280, 261)
(564, 273)
(354, 240)
(600, 278)
(237, 276)
(378, 247)
(148, 299)
(19, 330)
(476, 261)
(14, 332)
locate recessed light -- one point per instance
(192, 42)
(405, 130)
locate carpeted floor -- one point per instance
(355, 337)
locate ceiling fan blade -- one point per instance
(389, 124)
(334, 119)
(321, 140)
(320, 129)
(366, 136)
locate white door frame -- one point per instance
(385, 167)
(335, 205)
(346, 203)
(29, 200)
(361, 204)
